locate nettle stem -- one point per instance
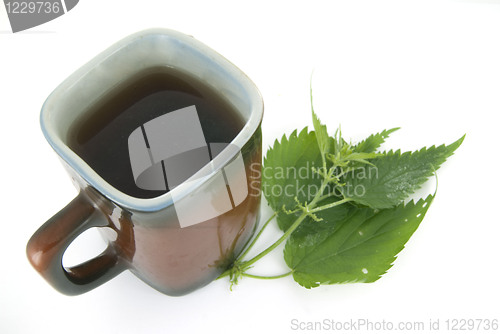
(239, 266)
(246, 264)
(331, 205)
(245, 252)
(259, 256)
(267, 277)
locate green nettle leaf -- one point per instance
(320, 130)
(321, 134)
(351, 244)
(373, 142)
(287, 173)
(392, 177)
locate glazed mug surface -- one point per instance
(173, 242)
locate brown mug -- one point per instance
(152, 237)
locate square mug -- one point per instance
(185, 238)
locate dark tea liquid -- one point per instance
(100, 138)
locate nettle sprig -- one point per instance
(346, 218)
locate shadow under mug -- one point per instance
(146, 236)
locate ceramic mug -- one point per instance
(146, 236)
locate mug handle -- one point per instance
(46, 248)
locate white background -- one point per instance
(431, 67)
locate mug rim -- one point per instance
(175, 40)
